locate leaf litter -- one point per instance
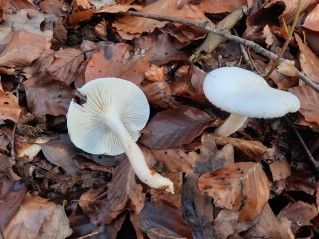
(257, 183)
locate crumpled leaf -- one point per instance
(308, 60)
(217, 6)
(23, 49)
(9, 108)
(66, 64)
(38, 218)
(28, 20)
(299, 214)
(60, 152)
(81, 11)
(174, 127)
(309, 100)
(163, 222)
(240, 186)
(105, 203)
(118, 8)
(47, 96)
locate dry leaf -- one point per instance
(174, 127)
(9, 108)
(23, 49)
(312, 19)
(217, 6)
(308, 60)
(309, 101)
(38, 218)
(287, 68)
(240, 186)
(118, 8)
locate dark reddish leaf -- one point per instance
(163, 222)
(174, 127)
(104, 204)
(239, 186)
(66, 64)
(60, 152)
(47, 96)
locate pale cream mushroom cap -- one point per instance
(115, 96)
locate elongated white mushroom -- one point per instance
(109, 123)
(245, 94)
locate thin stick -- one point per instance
(204, 25)
(303, 144)
(244, 53)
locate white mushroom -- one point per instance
(245, 94)
(109, 123)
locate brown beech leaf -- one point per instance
(131, 24)
(16, 5)
(163, 222)
(240, 186)
(38, 218)
(103, 204)
(280, 169)
(174, 160)
(216, 6)
(66, 64)
(9, 108)
(299, 214)
(23, 49)
(116, 60)
(118, 8)
(60, 152)
(309, 100)
(81, 11)
(312, 19)
(47, 96)
(269, 226)
(11, 192)
(254, 149)
(174, 127)
(308, 60)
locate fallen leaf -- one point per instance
(163, 222)
(308, 60)
(9, 108)
(16, 5)
(216, 6)
(291, 8)
(309, 100)
(299, 214)
(105, 203)
(169, 8)
(159, 94)
(81, 10)
(174, 127)
(66, 64)
(23, 49)
(287, 68)
(38, 218)
(280, 169)
(312, 19)
(60, 152)
(240, 186)
(118, 8)
(47, 96)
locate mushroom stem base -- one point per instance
(231, 125)
(136, 157)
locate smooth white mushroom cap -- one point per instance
(245, 93)
(122, 99)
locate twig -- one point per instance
(284, 47)
(244, 53)
(303, 144)
(204, 25)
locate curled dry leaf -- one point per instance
(65, 65)
(216, 6)
(9, 108)
(309, 100)
(23, 49)
(308, 60)
(118, 8)
(287, 68)
(38, 218)
(240, 186)
(47, 96)
(174, 127)
(312, 19)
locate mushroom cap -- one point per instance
(106, 96)
(245, 93)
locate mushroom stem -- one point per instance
(136, 157)
(231, 125)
